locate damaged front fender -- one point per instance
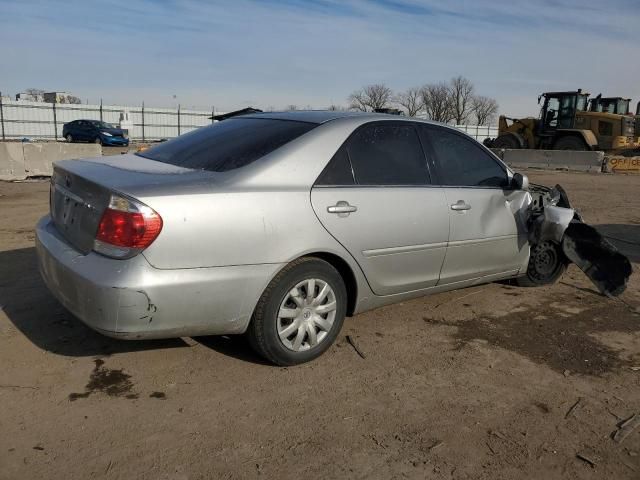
(607, 268)
(551, 218)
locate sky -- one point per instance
(273, 53)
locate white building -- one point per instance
(30, 97)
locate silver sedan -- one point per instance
(279, 225)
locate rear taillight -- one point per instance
(126, 228)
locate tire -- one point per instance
(286, 340)
(506, 141)
(69, 138)
(98, 141)
(570, 143)
(547, 263)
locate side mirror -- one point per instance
(520, 182)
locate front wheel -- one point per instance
(546, 265)
(508, 142)
(570, 143)
(300, 313)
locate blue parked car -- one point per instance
(95, 131)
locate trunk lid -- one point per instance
(81, 189)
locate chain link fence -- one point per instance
(44, 121)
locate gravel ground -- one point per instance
(490, 382)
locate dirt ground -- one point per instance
(491, 382)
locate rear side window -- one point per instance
(462, 162)
(227, 145)
(338, 170)
(387, 154)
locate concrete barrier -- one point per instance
(617, 164)
(12, 161)
(555, 160)
(21, 160)
(39, 157)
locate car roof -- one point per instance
(310, 116)
(324, 116)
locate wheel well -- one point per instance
(347, 275)
(516, 136)
(575, 135)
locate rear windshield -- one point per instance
(227, 145)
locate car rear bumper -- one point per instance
(131, 299)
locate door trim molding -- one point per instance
(379, 252)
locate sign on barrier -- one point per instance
(622, 164)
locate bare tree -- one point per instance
(73, 99)
(461, 91)
(291, 107)
(436, 101)
(411, 100)
(335, 108)
(370, 97)
(484, 109)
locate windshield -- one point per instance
(582, 103)
(227, 145)
(98, 124)
(623, 107)
(606, 105)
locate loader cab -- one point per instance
(559, 110)
(615, 105)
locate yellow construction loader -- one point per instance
(617, 105)
(638, 120)
(565, 124)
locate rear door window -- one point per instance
(461, 161)
(387, 154)
(338, 171)
(229, 144)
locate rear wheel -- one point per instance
(98, 141)
(300, 313)
(69, 138)
(506, 141)
(570, 143)
(546, 265)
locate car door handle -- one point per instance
(460, 205)
(342, 208)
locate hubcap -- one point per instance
(306, 315)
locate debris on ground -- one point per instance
(499, 434)
(436, 445)
(586, 459)
(573, 408)
(626, 427)
(352, 342)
